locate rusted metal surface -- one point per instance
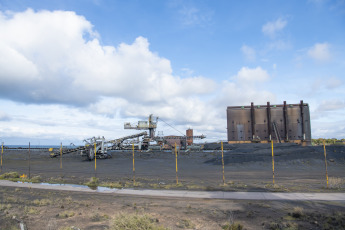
(252, 119)
(286, 122)
(254, 123)
(269, 123)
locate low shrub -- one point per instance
(9, 175)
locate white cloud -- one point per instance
(249, 76)
(4, 116)
(331, 105)
(248, 52)
(279, 45)
(245, 87)
(333, 83)
(272, 28)
(192, 16)
(61, 61)
(74, 87)
(320, 52)
(59, 52)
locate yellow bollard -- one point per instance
(176, 164)
(95, 159)
(61, 155)
(133, 165)
(324, 150)
(2, 151)
(221, 144)
(29, 162)
(272, 160)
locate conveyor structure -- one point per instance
(98, 144)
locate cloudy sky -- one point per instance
(73, 69)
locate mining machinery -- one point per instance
(99, 145)
(150, 125)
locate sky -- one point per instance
(74, 69)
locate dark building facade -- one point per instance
(263, 123)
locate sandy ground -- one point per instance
(247, 168)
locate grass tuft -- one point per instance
(135, 221)
(9, 175)
(336, 182)
(66, 214)
(233, 226)
(98, 217)
(42, 202)
(111, 184)
(5, 206)
(184, 223)
(93, 183)
(297, 212)
(31, 210)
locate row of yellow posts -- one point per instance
(273, 181)
(222, 149)
(325, 155)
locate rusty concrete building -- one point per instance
(263, 123)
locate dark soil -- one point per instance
(39, 209)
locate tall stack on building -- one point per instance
(189, 134)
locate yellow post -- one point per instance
(61, 155)
(95, 158)
(29, 162)
(176, 164)
(272, 160)
(324, 150)
(2, 151)
(133, 165)
(221, 144)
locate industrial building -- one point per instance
(263, 123)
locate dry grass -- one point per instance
(31, 211)
(336, 182)
(234, 226)
(42, 202)
(297, 212)
(98, 217)
(3, 207)
(184, 223)
(14, 176)
(276, 188)
(135, 221)
(66, 214)
(10, 175)
(93, 182)
(112, 184)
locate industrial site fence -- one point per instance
(134, 165)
